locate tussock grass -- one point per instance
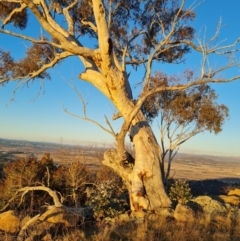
(171, 230)
(201, 229)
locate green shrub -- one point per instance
(180, 191)
(107, 199)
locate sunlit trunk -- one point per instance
(146, 173)
(143, 178)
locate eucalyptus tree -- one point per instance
(125, 33)
(181, 115)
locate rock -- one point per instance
(234, 200)
(165, 212)
(9, 222)
(235, 192)
(210, 205)
(183, 213)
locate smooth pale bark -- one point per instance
(143, 178)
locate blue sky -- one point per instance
(43, 119)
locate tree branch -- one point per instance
(110, 126)
(51, 22)
(36, 73)
(145, 94)
(16, 10)
(69, 18)
(68, 43)
(90, 24)
(84, 117)
(126, 47)
(159, 48)
(104, 39)
(25, 190)
(33, 40)
(21, 234)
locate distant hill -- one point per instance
(25, 145)
(213, 158)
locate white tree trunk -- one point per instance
(143, 178)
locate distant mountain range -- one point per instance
(9, 143)
(39, 144)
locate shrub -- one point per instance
(180, 191)
(69, 180)
(26, 172)
(76, 177)
(107, 199)
(107, 194)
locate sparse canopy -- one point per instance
(182, 114)
(194, 105)
(121, 34)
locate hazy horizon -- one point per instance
(184, 151)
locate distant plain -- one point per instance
(184, 166)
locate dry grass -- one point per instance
(201, 229)
(171, 230)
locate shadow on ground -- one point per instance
(213, 186)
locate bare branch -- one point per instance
(110, 126)
(205, 80)
(69, 18)
(90, 24)
(112, 11)
(33, 40)
(51, 22)
(84, 117)
(104, 40)
(222, 50)
(126, 47)
(25, 190)
(56, 59)
(159, 48)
